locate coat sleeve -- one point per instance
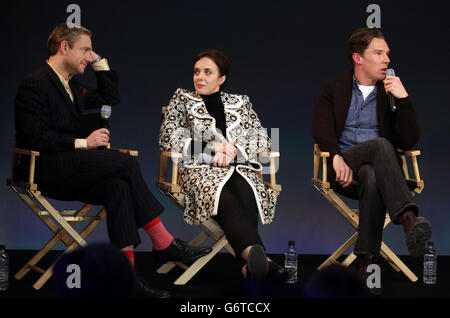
(175, 134)
(106, 93)
(406, 130)
(32, 119)
(324, 123)
(257, 139)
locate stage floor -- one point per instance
(221, 278)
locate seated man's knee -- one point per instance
(382, 145)
(114, 185)
(131, 164)
(366, 175)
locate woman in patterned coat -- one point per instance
(220, 135)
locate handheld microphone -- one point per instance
(106, 114)
(390, 72)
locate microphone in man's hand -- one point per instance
(106, 114)
(390, 72)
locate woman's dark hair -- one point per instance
(221, 60)
(360, 40)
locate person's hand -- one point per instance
(393, 85)
(98, 138)
(227, 148)
(344, 175)
(221, 159)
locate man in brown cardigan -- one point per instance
(352, 119)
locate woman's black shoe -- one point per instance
(277, 272)
(257, 267)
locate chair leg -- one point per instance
(349, 259)
(47, 220)
(64, 224)
(333, 257)
(210, 229)
(396, 262)
(38, 256)
(202, 261)
(83, 234)
(167, 267)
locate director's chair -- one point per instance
(210, 229)
(415, 184)
(61, 223)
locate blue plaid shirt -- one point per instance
(362, 123)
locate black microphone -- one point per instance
(390, 72)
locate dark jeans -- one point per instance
(380, 186)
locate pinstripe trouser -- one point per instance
(112, 179)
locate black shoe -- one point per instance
(278, 272)
(362, 261)
(180, 251)
(144, 290)
(257, 265)
(418, 231)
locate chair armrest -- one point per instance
(163, 183)
(413, 155)
(26, 152)
(273, 183)
(173, 155)
(320, 182)
(133, 153)
(270, 154)
(409, 153)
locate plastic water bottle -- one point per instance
(4, 269)
(291, 263)
(429, 265)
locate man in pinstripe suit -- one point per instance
(48, 109)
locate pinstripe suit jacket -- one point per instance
(48, 121)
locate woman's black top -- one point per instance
(215, 108)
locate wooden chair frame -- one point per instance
(61, 223)
(210, 229)
(351, 215)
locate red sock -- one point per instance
(130, 255)
(160, 237)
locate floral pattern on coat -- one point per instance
(186, 119)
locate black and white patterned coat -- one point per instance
(186, 119)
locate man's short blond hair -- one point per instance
(64, 33)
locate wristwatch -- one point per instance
(98, 58)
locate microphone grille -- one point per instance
(390, 72)
(106, 111)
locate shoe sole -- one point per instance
(186, 261)
(257, 262)
(417, 237)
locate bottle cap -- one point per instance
(291, 243)
(2, 247)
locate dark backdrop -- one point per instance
(281, 53)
